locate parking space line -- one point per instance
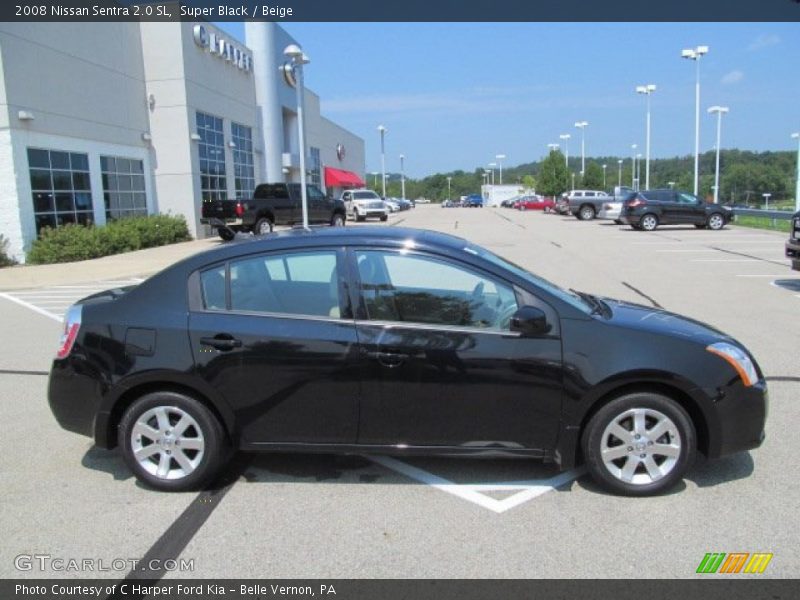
(34, 308)
(759, 275)
(528, 490)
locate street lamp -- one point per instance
(766, 199)
(297, 59)
(638, 170)
(796, 136)
(619, 176)
(695, 54)
(565, 137)
(500, 158)
(553, 147)
(383, 131)
(449, 179)
(647, 90)
(402, 177)
(633, 167)
(671, 184)
(492, 166)
(582, 126)
(719, 110)
(604, 176)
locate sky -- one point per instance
(454, 95)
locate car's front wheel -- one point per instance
(337, 220)
(226, 234)
(172, 442)
(639, 444)
(716, 221)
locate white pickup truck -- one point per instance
(363, 204)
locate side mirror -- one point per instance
(530, 321)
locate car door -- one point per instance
(691, 209)
(274, 336)
(320, 207)
(439, 364)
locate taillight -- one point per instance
(239, 209)
(72, 324)
(636, 202)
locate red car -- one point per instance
(535, 203)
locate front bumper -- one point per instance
(793, 253)
(740, 415)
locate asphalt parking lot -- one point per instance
(285, 516)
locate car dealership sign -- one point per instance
(222, 48)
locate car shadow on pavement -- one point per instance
(708, 473)
(793, 285)
(107, 461)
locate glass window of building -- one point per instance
(244, 172)
(123, 187)
(213, 184)
(61, 189)
(315, 168)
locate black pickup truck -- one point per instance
(272, 204)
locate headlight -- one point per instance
(738, 359)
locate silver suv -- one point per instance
(363, 204)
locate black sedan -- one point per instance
(401, 341)
(648, 209)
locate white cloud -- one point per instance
(764, 41)
(732, 77)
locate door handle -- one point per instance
(222, 342)
(388, 359)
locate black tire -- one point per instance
(384, 217)
(206, 427)
(338, 220)
(226, 234)
(679, 438)
(716, 221)
(586, 212)
(360, 218)
(263, 226)
(648, 222)
(522, 207)
(700, 225)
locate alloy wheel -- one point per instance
(167, 442)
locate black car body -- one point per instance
(272, 204)
(375, 340)
(793, 243)
(650, 208)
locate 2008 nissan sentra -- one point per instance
(395, 341)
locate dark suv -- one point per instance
(793, 245)
(650, 208)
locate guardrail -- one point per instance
(775, 215)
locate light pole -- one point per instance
(500, 158)
(638, 171)
(402, 177)
(633, 167)
(374, 179)
(796, 136)
(383, 131)
(619, 176)
(582, 126)
(604, 176)
(297, 59)
(719, 110)
(573, 180)
(565, 137)
(766, 199)
(695, 54)
(492, 166)
(671, 184)
(449, 179)
(647, 90)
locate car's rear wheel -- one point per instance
(263, 226)
(586, 213)
(716, 221)
(172, 442)
(648, 222)
(337, 220)
(360, 218)
(639, 444)
(523, 207)
(226, 234)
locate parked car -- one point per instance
(509, 202)
(364, 204)
(535, 203)
(650, 208)
(585, 204)
(392, 204)
(562, 205)
(395, 341)
(793, 244)
(405, 204)
(611, 208)
(473, 201)
(272, 204)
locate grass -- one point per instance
(764, 223)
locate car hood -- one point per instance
(657, 320)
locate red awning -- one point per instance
(340, 178)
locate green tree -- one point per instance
(593, 177)
(553, 174)
(529, 182)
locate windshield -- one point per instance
(569, 297)
(366, 196)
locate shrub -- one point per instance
(79, 242)
(5, 259)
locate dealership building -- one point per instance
(105, 120)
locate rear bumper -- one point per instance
(216, 222)
(74, 397)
